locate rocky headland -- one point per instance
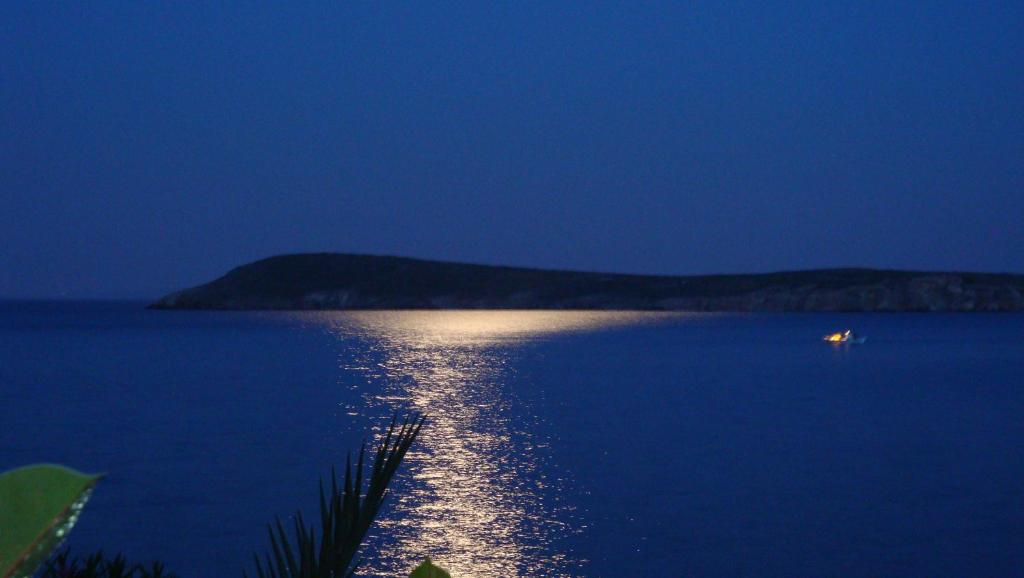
(346, 281)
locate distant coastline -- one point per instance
(317, 281)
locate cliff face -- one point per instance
(944, 292)
(339, 281)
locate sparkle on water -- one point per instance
(474, 500)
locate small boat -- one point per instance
(847, 336)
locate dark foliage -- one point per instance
(345, 515)
(99, 565)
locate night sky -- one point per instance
(148, 146)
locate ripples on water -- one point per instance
(476, 500)
(775, 454)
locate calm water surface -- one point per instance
(559, 443)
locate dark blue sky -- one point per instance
(148, 146)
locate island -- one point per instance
(350, 281)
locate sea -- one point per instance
(557, 443)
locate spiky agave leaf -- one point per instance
(39, 505)
(346, 514)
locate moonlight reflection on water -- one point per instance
(477, 500)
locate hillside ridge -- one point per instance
(354, 281)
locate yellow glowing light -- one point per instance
(467, 506)
(840, 337)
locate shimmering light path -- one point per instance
(476, 504)
(559, 443)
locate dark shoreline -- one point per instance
(330, 281)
